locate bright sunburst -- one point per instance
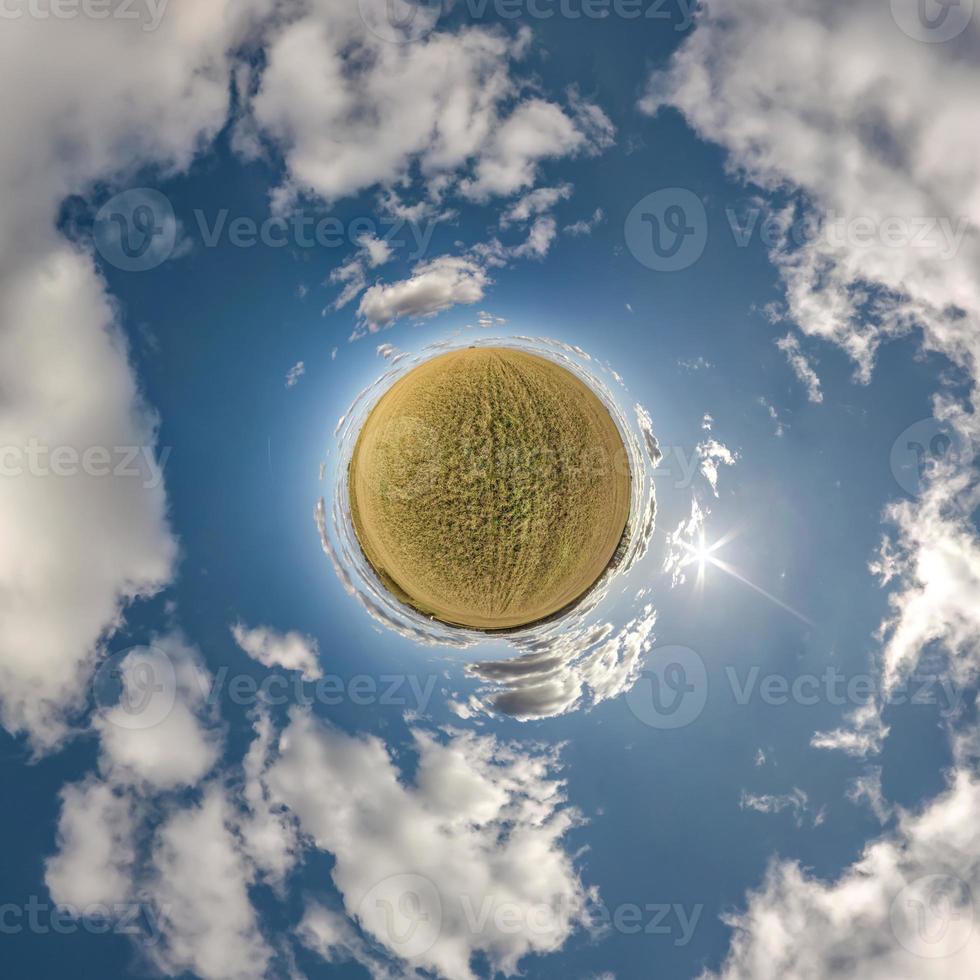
(702, 554)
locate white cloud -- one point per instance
(883, 138)
(96, 849)
(190, 871)
(934, 555)
(539, 239)
(390, 353)
(560, 673)
(536, 130)
(798, 361)
(795, 800)
(780, 425)
(331, 935)
(346, 123)
(199, 883)
(372, 252)
(294, 374)
(874, 128)
(433, 286)
(586, 226)
(377, 251)
(539, 201)
(682, 541)
(901, 911)
(486, 321)
(159, 733)
(477, 834)
(712, 454)
(351, 110)
(695, 364)
(866, 788)
(269, 836)
(78, 549)
(291, 650)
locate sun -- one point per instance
(701, 554)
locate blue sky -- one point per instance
(218, 765)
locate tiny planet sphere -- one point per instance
(489, 488)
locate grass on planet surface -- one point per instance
(489, 488)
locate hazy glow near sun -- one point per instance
(703, 554)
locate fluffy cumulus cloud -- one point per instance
(873, 131)
(876, 129)
(538, 201)
(534, 131)
(476, 837)
(431, 288)
(470, 849)
(125, 844)
(78, 547)
(160, 732)
(350, 110)
(904, 910)
(199, 881)
(291, 650)
(873, 128)
(347, 110)
(96, 849)
(556, 674)
(442, 103)
(372, 252)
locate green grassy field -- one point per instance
(489, 488)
